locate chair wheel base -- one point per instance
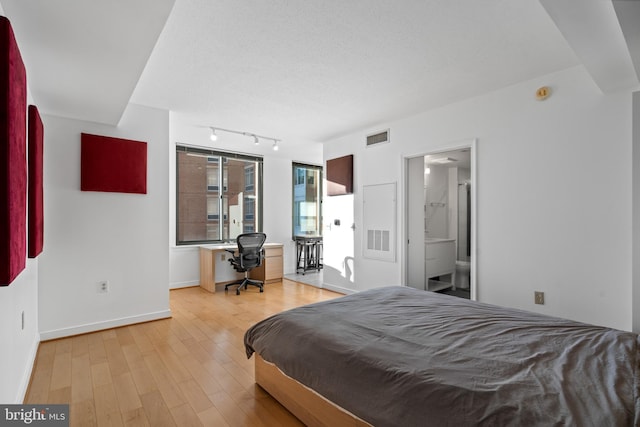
(243, 285)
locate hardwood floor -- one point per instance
(190, 370)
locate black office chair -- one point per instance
(250, 255)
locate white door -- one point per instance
(415, 223)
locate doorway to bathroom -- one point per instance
(441, 220)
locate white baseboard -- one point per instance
(338, 289)
(187, 284)
(28, 369)
(107, 324)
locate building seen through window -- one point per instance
(218, 195)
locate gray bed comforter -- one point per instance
(396, 356)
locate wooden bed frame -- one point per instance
(308, 406)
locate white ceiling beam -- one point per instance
(628, 13)
(592, 29)
(84, 58)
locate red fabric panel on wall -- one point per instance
(113, 164)
(36, 194)
(13, 159)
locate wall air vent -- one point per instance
(378, 240)
(378, 138)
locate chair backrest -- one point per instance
(250, 249)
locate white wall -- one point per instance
(437, 202)
(277, 187)
(554, 194)
(19, 346)
(95, 236)
(339, 271)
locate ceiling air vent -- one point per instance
(378, 138)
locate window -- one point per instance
(307, 200)
(249, 211)
(249, 214)
(218, 195)
(213, 208)
(249, 178)
(212, 178)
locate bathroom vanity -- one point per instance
(440, 260)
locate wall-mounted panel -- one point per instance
(379, 221)
(36, 193)
(13, 159)
(340, 176)
(113, 164)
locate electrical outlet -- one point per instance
(538, 297)
(103, 287)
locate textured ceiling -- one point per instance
(301, 71)
(313, 70)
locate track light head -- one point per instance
(213, 136)
(256, 140)
(275, 145)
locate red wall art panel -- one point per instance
(13, 159)
(113, 164)
(35, 194)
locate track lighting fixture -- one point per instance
(256, 138)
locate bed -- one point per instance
(396, 356)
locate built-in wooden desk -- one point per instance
(270, 271)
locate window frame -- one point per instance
(224, 156)
(294, 182)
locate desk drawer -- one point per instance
(273, 252)
(273, 270)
